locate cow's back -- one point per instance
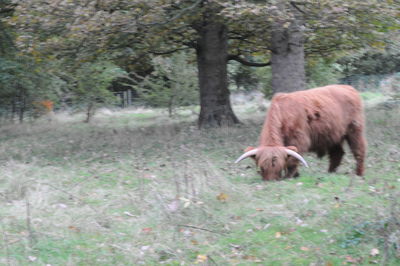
(316, 119)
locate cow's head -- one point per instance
(273, 160)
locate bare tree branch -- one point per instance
(168, 51)
(295, 5)
(247, 63)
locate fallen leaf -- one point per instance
(149, 176)
(249, 257)
(73, 228)
(351, 259)
(278, 234)
(222, 197)
(374, 252)
(305, 248)
(147, 230)
(328, 263)
(201, 258)
(259, 209)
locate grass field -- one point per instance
(136, 187)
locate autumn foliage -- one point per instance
(43, 107)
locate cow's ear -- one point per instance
(249, 149)
(293, 148)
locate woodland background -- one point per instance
(180, 53)
(172, 92)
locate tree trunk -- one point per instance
(89, 112)
(212, 55)
(287, 59)
(13, 109)
(22, 107)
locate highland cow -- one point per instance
(317, 120)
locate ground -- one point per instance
(136, 187)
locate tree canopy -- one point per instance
(71, 34)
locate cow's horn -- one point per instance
(247, 154)
(297, 156)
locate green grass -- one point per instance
(141, 188)
(372, 98)
(369, 95)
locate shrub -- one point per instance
(92, 82)
(321, 72)
(173, 83)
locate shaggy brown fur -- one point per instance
(316, 120)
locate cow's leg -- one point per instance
(358, 144)
(335, 157)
